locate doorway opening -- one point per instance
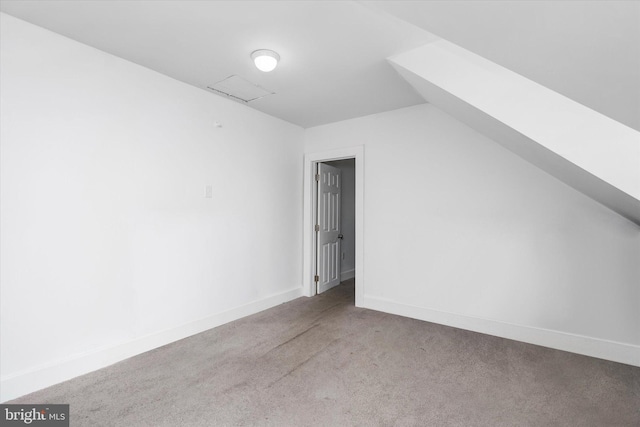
(333, 220)
(335, 223)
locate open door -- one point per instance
(328, 235)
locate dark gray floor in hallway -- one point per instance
(322, 361)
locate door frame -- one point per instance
(310, 206)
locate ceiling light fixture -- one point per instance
(266, 60)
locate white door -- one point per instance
(328, 234)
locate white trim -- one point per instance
(28, 381)
(348, 274)
(310, 159)
(589, 346)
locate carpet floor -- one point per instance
(323, 362)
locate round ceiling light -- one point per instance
(266, 60)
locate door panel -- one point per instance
(328, 236)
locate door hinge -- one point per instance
(316, 278)
(317, 177)
(317, 227)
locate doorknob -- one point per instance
(340, 236)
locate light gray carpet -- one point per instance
(323, 362)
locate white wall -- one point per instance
(347, 215)
(108, 244)
(460, 231)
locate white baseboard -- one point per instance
(589, 346)
(346, 275)
(25, 382)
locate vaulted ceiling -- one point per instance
(333, 53)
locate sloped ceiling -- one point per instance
(589, 151)
(333, 52)
(588, 51)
